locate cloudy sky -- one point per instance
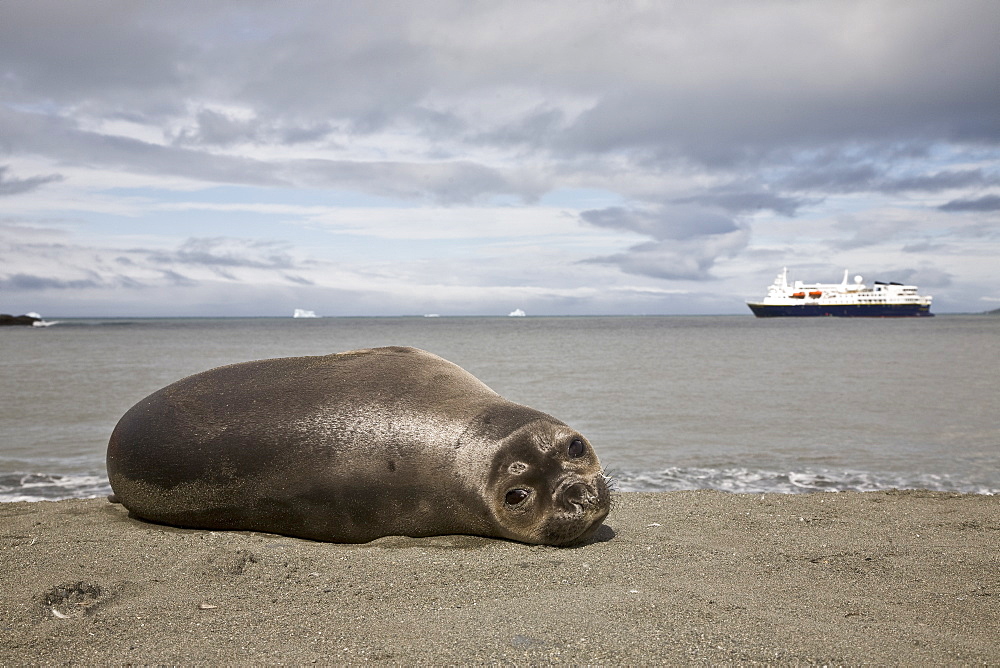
(249, 158)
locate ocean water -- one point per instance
(669, 403)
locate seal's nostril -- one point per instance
(516, 496)
(578, 494)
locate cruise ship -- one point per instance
(844, 300)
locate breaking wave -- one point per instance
(749, 481)
(51, 487)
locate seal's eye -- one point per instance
(516, 496)
(576, 448)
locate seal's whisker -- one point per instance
(613, 490)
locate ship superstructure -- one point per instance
(881, 300)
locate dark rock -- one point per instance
(7, 319)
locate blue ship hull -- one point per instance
(841, 310)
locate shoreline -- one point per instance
(892, 577)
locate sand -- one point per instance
(683, 577)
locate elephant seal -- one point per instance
(354, 446)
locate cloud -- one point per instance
(175, 278)
(926, 277)
(213, 128)
(37, 259)
(223, 252)
(841, 175)
(298, 279)
(454, 182)
(687, 240)
(437, 98)
(871, 173)
(734, 136)
(984, 203)
(946, 180)
(452, 223)
(739, 81)
(217, 128)
(35, 282)
(924, 246)
(60, 139)
(14, 186)
(746, 201)
(663, 221)
(66, 53)
(687, 259)
(872, 232)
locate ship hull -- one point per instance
(840, 310)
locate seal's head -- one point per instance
(547, 485)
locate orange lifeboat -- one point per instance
(799, 295)
(816, 294)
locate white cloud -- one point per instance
(400, 147)
(496, 223)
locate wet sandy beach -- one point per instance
(682, 577)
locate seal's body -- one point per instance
(351, 447)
